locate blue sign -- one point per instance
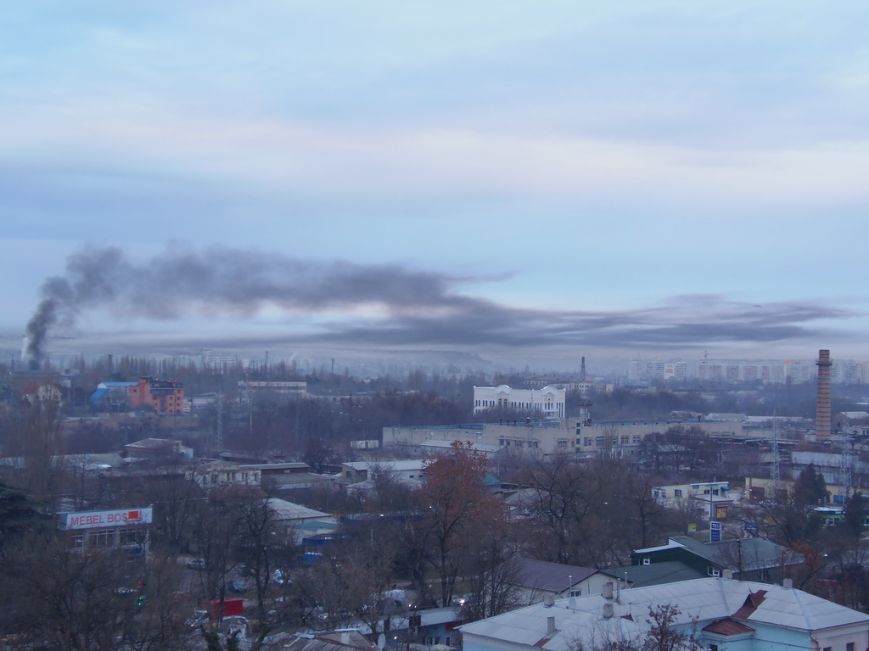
(714, 531)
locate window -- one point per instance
(587, 442)
(677, 492)
(849, 646)
(102, 538)
(713, 647)
(827, 648)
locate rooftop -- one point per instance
(745, 554)
(705, 600)
(285, 510)
(396, 466)
(549, 577)
(642, 576)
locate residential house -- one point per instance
(536, 580)
(746, 558)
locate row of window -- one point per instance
(106, 537)
(600, 441)
(516, 443)
(517, 405)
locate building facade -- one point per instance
(547, 402)
(572, 436)
(161, 396)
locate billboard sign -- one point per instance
(106, 519)
(714, 531)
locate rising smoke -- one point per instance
(414, 307)
(219, 280)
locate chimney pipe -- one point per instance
(608, 610)
(608, 590)
(823, 416)
(550, 625)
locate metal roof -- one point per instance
(641, 576)
(550, 577)
(290, 511)
(704, 600)
(395, 466)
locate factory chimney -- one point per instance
(823, 419)
(582, 369)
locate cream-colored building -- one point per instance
(547, 402)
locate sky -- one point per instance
(540, 178)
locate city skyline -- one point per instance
(517, 181)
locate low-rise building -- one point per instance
(536, 581)
(712, 499)
(293, 475)
(277, 388)
(576, 437)
(718, 613)
(157, 449)
(358, 471)
(125, 529)
(746, 558)
(214, 474)
(297, 522)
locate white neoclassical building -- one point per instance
(548, 401)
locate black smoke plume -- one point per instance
(415, 307)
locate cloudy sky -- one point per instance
(655, 177)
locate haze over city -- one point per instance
(520, 181)
(432, 326)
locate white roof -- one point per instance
(443, 444)
(396, 466)
(285, 510)
(705, 600)
(671, 544)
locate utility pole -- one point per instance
(776, 470)
(220, 417)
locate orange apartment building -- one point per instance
(163, 396)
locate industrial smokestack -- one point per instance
(582, 369)
(823, 417)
